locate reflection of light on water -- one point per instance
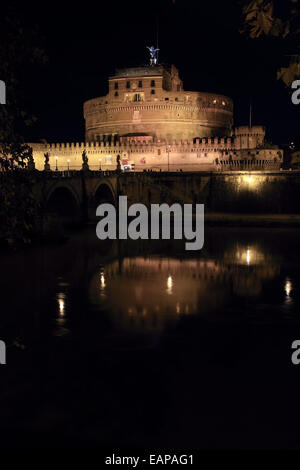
(288, 287)
(149, 293)
(250, 255)
(250, 182)
(61, 319)
(102, 284)
(102, 280)
(61, 304)
(170, 285)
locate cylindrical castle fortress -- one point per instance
(150, 101)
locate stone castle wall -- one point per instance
(210, 154)
(151, 101)
(192, 115)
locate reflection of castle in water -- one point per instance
(147, 293)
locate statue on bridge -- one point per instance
(118, 164)
(85, 165)
(46, 164)
(31, 164)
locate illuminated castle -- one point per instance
(151, 102)
(151, 123)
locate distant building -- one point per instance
(151, 101)
(153, 123)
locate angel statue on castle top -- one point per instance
(153, 55)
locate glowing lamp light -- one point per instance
(248, 179)
(251, 181)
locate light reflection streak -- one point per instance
(161, 289)
(288, 287)
(61, 304)
(61, 319)
(170, 285)
(102, 284)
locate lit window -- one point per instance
(223, 103)
(134, 97)
(215, 101)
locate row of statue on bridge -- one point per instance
(85, 162)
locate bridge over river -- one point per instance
(76, 194)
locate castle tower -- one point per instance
(150, 101)
(249, 137)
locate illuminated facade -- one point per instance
(152, 123)
(151, 102)
(244, 150)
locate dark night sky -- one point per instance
(85, 43)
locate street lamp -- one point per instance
(168, 150)
(56, 158)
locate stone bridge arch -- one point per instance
(104, 190)
(63, 201)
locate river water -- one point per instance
(142, 344)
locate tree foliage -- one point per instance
(18, 51)
(279, 21)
